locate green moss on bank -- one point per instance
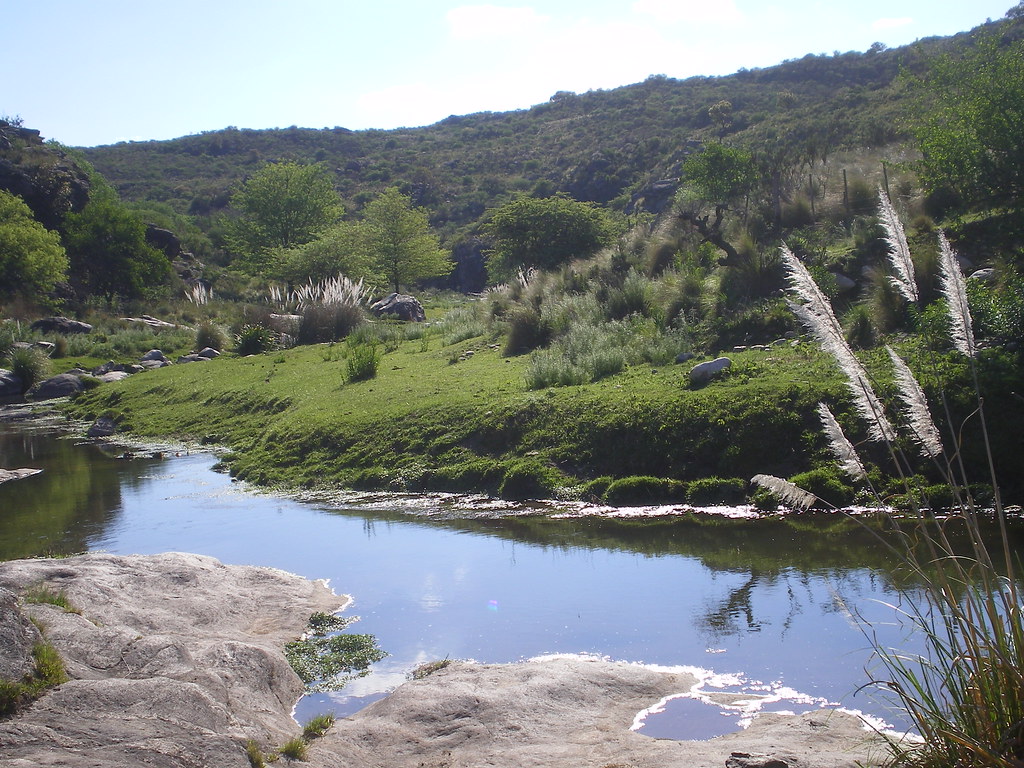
(425, 423)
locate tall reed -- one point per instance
(965, 692)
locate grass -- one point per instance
(317, 726)
(49, 672)
(425, 423)
(295, 749)
(42, 594)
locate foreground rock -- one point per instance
(6, 475)
(569, 712)
(400, 307)
(175, 660)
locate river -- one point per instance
(775, 605)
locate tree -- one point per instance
(971, 129)
(546, 232)
(399, 242)
(718, 176)
(281, 206)
(339, 250)
(109, 253)
(32, 260)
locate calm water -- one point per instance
(770, 601)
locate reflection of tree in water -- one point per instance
(62, 510)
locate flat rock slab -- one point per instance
(570, 712)
(175, 660)
(6, 475)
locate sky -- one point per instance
(91, 72)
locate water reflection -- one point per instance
(777, 600)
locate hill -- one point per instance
(603, 146)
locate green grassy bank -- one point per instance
(437, 419)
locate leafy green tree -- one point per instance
(716, 178)
(283, 205)
(971, 129)
(32, 259)
(547, 232)
(339, 250)
(399, 242)
(109, 253)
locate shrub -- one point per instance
(826, 485)
(30, 365)
(528, 479)
(527, 330)
(60, 347)
(255, 339)
(254, 754)
(716, 490)
(362, 363)
(644, 489)
(329, 322)
(211, 334)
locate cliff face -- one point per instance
(48, 179)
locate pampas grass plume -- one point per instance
(899, 249)
(954, 288)
(915, 408)
(841, 447)
(787, 492)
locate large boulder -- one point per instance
(11, 386)
(401, 307)
(702, 373)
(61, 385)
(61, 325)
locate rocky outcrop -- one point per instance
(6, 475)
(64, 326)
(175, 660)
(61, 385)
(49, 181)
(400, 307)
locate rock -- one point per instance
(10, 385)
(748, 760)
(983, 275)
(61, 385)
(18, 635)
(843, 283)
(155, 355)
(703, 372)
(285, 323)
(46, 347)
(149, 365)
(402, 307)
(208, 352)
(149, 320)
(684, 357)
(176, 660)
(165, 240)
(112, 376)
(6, 475)
(104, 426)
(193, 358)
(61, 325)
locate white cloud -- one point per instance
(693, 11)
(476, 22)
(891, 23)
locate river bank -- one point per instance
(178, 658)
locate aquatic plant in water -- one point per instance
(326, 659)
(965, 692)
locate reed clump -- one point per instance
(964, 692)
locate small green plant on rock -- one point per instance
(295, 749)
(318, 726)
(41, 593)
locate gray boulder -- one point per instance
(983, 275)
(104, 426)
(62, 385)
(193, 358)
(684, 357)
(208, 352)
(155, 355)
(401, 307)
(843, 283)
(10, 385)
(704, 372)
(62, 325)
(112, 376)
